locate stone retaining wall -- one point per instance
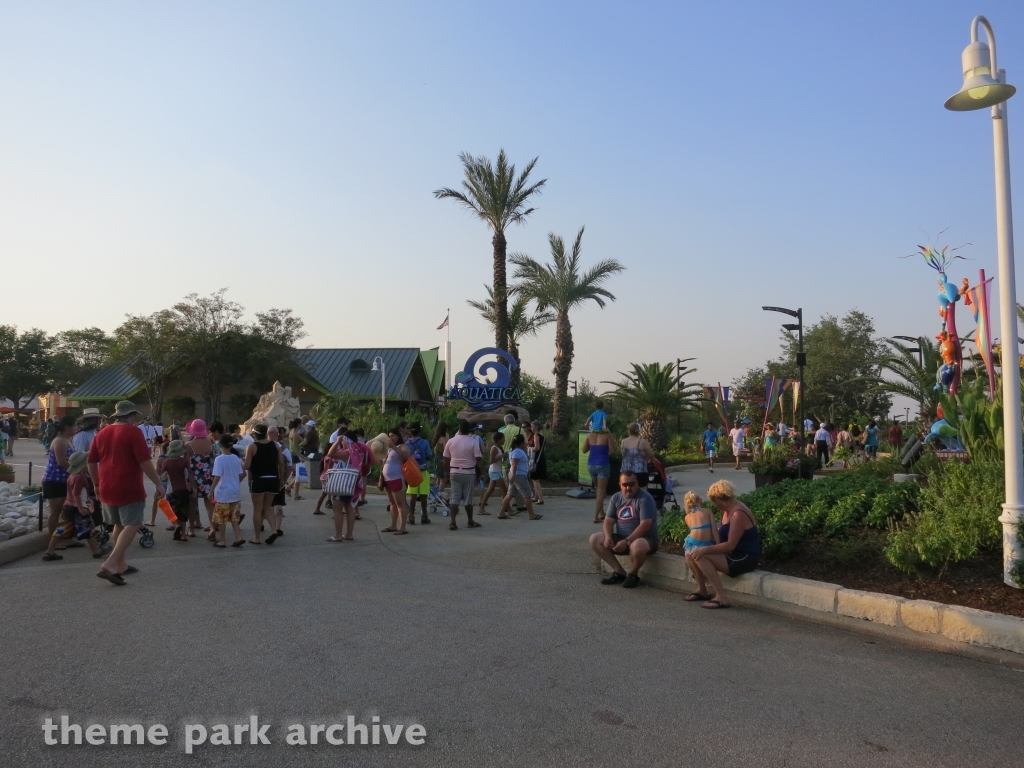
(910, 619)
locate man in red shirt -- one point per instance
(895, 437)
(118, 457)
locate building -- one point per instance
(412, 378)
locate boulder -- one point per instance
(20, 530)
(6, 525)
(4, 536)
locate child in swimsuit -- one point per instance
(701, 523)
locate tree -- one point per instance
(913, 379)
(497, 196)
(651, 390)
(77, 355)
(842, 362)
(25, 365)
(149, 347)
(521, 322)
(561, 287)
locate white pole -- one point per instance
(382, 385)
(1013, 439)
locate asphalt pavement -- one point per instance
(500, 641)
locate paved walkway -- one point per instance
(499, 640)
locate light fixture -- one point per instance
(983, 85)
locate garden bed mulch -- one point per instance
(860, 564)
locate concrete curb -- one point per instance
(23, 546)
(992, 637)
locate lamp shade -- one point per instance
(980, 89)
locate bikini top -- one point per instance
(701, 527)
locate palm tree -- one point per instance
(915, 376)
(495, 194)
(653, 391)
(521, 322)
(560, 287)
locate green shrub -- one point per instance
(892, 504)
(958, 518)
(562, 470)
(672, 527)
(846, 513)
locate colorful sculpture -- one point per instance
(944, 433)
(947, 377)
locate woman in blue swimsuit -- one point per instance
(598, 446)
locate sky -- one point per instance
(730, 155)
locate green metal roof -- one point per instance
(110, 383)
(329, 370)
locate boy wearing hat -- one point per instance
(176, 466)
(75, 519)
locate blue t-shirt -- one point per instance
(420, 450)
(523, 468)
(628, 513)
(710, 439)
(598, 419)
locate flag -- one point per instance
(796, 398)
(445, 323)
(979, 301)
(772, 390)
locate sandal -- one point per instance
(714, 605)
(48, 556)
(503, 517)
(253, 541)
(482, 512)
(388, 530)
(129, 569)
(695, 596)
(400, 533)
(113, 578)
(453, 527)
(473, 524)
(238, 543)
(318, 512)
(334, 540)
(537, 517)
(218, 545)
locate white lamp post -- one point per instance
(985, 86)
(380, 361)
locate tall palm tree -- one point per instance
(914, 379)
(495, 194)
(561, 287)
(521, 322)
(651, 390)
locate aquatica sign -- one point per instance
(486, 384)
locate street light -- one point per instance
(801, 358)
(380, 360)
(575, 394)
(985, 86)
(912, 350)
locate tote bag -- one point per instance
(301, 473)
(341, 479)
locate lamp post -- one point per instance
(912, 350)
(380, 360)
(801, 358)
(575, 394)
(985, 86)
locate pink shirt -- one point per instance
(463, 450)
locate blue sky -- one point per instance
(730, 155)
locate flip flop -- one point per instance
(537, 517)
(238, 543)
(334, 540)
(218, 545)
(253, 541)
(714, 605)
(453, 527)
(113, 578)
(49, 557)
(503, 517)
(319, 513)
(473, 524)
(400, 533)
(271, 539)
(129, 569)
(481, 512)
(388, 530)
(695, 596)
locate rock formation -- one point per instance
(275, 409)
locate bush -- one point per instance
(784, 462)
(562, 470)
(958, 518)
(673, 528)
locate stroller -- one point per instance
(102, 534)
(659, 485)
(435, 501)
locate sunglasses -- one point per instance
(627, 485)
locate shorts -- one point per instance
(495, 474)
(55, 489)
(227, 512)
(520, 487)
(342, 499)
(278, 499)
(423, 489)
(652, 543)
(394, 485)
(264, 485)
(72, 523)
(598, 471)
(180, 502)
(711, 453)
(124, 514)
(689, 547)
(461, 490)
(744, 563)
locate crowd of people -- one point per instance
(93, 481)
(820, 439)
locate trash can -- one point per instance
(314, 465)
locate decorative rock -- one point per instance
(6, 525)
(20, 530)
(13, 514)
(4, 536)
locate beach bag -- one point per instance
(301, 473)
(411, 472)
(360, 456)
(341, 479)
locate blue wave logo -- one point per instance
(486, 384)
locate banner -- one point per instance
(978, 299)
(772, 391)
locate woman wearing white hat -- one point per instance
(391, 480)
